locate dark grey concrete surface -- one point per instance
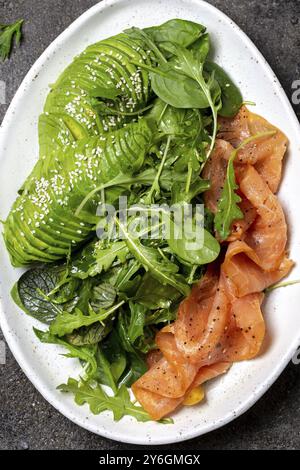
(26, 419)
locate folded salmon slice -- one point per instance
(244, 274)
(221, 321)
(267, 154)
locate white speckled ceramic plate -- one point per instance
(235, 392)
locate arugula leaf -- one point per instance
(7, 33)
(66, 322)
(98, 257)
(99, 401)
(84, 353)
(228, 210)
(160, 268)
(124, 282)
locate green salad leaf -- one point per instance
(85, 354)
(7, 33)
(228, 210)
(31, 292)
(65, 322)
(98, 400)
(161, 268)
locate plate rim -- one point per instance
(12, 343)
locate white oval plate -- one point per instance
(234, 393)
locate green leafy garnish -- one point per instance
(7, 33)
(66, 322)
(98, 400)
(228, 210)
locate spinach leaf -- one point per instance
(228, 209)
(178, 32)
(98, 400)
(137, 321)
(190, 64)
(154, 295)
(84, 353)
(136, 367)
(31, 291)
(180, 195)
(192, 244)
(231, 96)
(104, 373)
(66, 322)
(176, 89)
(201, 47)
(115, 354)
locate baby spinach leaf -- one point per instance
(178, 32)
(193, 244)
(104, 373)
(190, 63)
(137, 321)
(154, 295)
(231, 96)
(201, 47)
(177, 89)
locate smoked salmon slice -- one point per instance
(221, 321)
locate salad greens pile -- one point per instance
(134, 115)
